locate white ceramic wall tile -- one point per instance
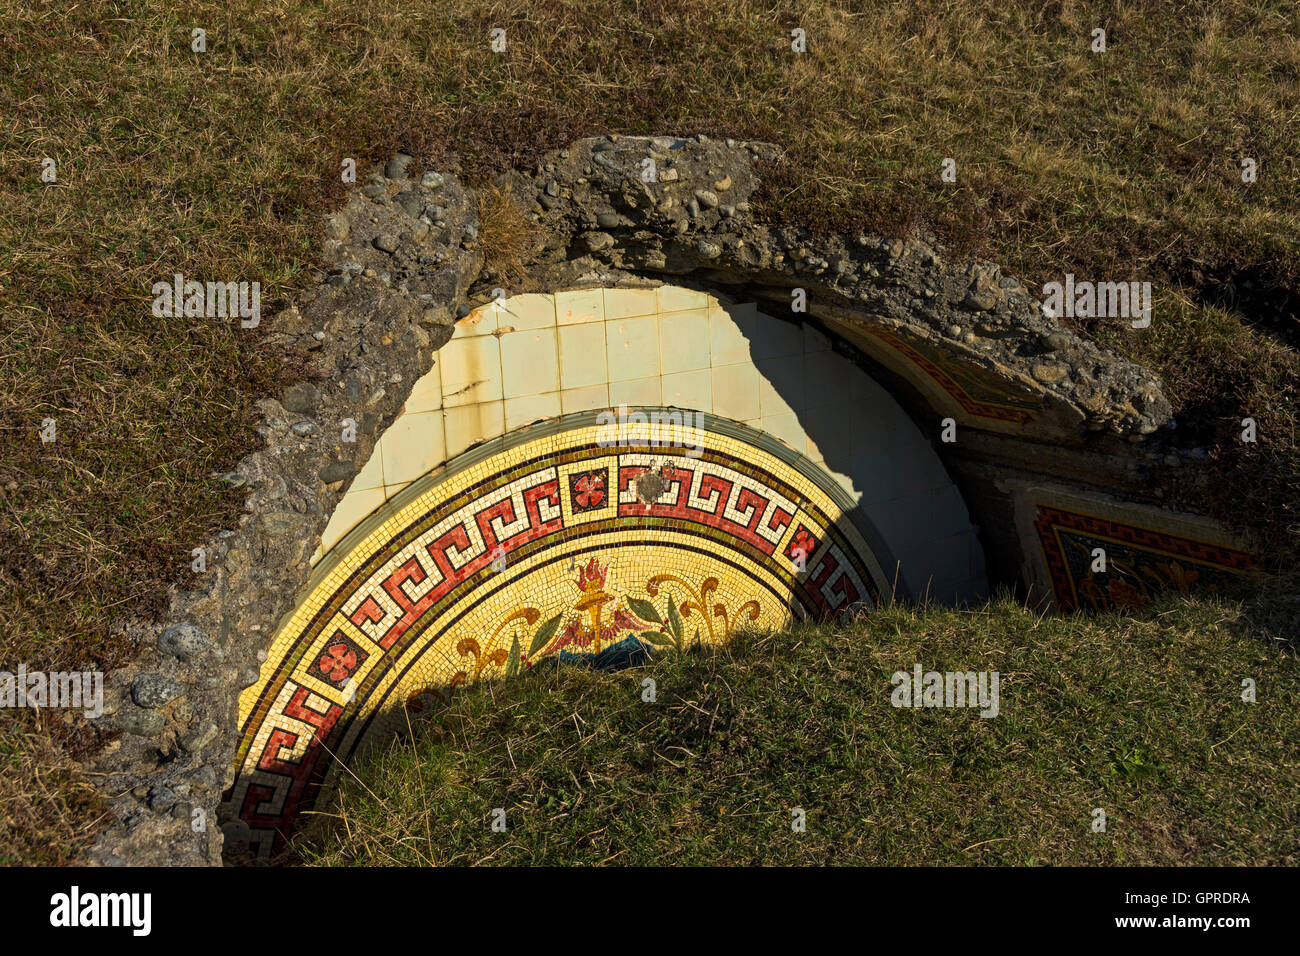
(593, 349)
(814, 341)
(864, 438)
(626, 303)
(863, 389)
(632, 346)
(781, 387)
(771, 338)
(470, 424)
(412, 445)
(828, 431)
(482, 321)
(579, 306)
(947, 506)
(684, 341)
(917, 435)
(727, 342)
(787, 428)
(673, 298)
(426, 393)
(883, 429)
(530, 363)
(916, 472)
(348, 513)
(584, 399)
(826, 377)
(749, 320)
(894, 525)
(470, 370)
(735, 392)
(875, 478)
(688, 390)
(371, 474)
(531, 408)
(528, 313)
(582, 355)
(641, 391)
(813, 451)
(843, 479)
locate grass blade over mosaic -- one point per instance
(1139, 716)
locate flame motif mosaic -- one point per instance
(545, 543)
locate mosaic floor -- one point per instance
(566, 539)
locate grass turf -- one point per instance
(1142, 718)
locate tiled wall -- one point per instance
(533, 357)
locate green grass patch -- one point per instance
(1142, 718)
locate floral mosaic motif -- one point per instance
(592, 630)
(339, 661)
(598, 631)
(719, 625)
(802, 544)
(1129, 585)
(587, 491)
(498, 657)
(642, 623)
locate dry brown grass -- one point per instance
(48, 808)
(507, 236)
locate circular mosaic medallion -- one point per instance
(570, 539)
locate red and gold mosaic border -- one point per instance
(979, 394)
(545, 542)
(1140, 561)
